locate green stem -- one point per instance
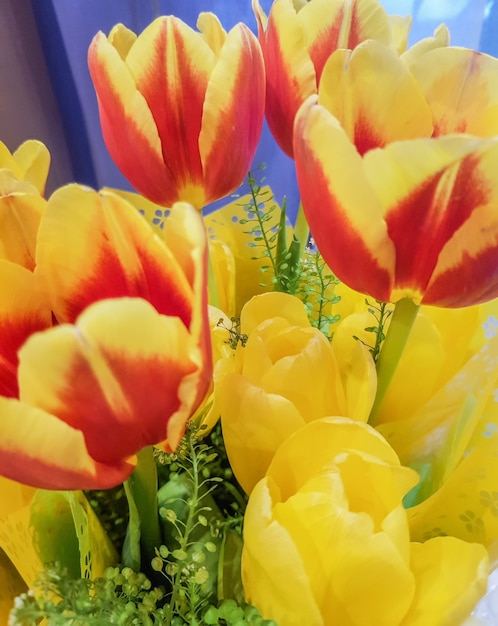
(301, 229)
(403, 317)
(189, 525)
(214, 296)
(142, 487)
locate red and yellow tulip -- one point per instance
(130, 360)
(416, 219)
(179, 116)
(23, 307)
(297, 40)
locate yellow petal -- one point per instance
(268, 557)
(270, 305)
(400, 28)
(451, 576)
(214, 33)
(440, 39)
(374, 96)
(21, 208)
(335, 434)
(30, 162)
(303, 359)
(122, 39)
(460, 88)
(254, 424)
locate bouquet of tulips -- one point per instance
(223, 418)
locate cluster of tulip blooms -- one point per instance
(371, 470)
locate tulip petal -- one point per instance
(22, 313)
(228, 93)
(21, 208)
(335, 435)
(451, 576)
(33, 158)
(125, 118)
(337, 198)
(122, 39)
(39, 450)
(303, 359)
(269, 305)
(171, 65)
(212, 30)
(290, 76)
(374, 96)
(439, 199)
(272, 571)
(93, 246)
(440, 39)
(254, 424)
(461, 88)
(333, 25)
(400, 28)
(123, 369)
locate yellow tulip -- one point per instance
(285, 375)
(326, 539)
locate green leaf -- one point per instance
(54, 532)
(131, 547)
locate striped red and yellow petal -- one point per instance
(345, 217)
(128, 126)
(21, 208)
(171, 65)
(124, 375)
(290, 75)
(233, 113)
(439, 198)
(93, 246)
(40, 450)
(461, 88)
(374, 96)
(23, 312)
(332, 24)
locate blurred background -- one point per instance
(47, 93)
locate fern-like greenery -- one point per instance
(381, 311)
(201, 508)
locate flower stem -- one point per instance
(403, 317)
(213, 294)
(142, 487)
